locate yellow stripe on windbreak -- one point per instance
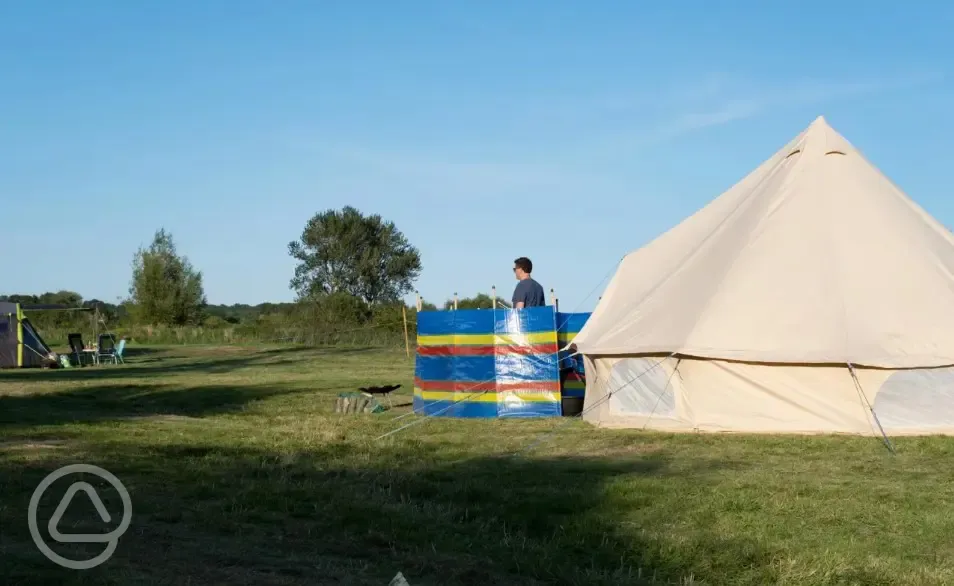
(488, 339)
(488, 397)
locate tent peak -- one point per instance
(813, 256)
(819, 138)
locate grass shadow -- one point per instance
(134, 351)
(345, 515)
(111, 402)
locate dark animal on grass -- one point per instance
(386, 390)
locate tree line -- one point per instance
(353, 271)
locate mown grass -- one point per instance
(239, 473)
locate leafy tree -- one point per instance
(67, 298)
(347, 252)
(479, 301)
(214, 321)
(165, 288)
(53, 319)
(107, 311)
(336, 310)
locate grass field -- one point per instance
(239, 473)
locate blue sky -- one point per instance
(570, 132)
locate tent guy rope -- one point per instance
(865, 401)
(545, 435)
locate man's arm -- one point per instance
(520, 295)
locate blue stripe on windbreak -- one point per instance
(531, 319)
(462, 321)
(529, 409)
(486, 321)
(522, 367)
(484, 368)
(571, 322)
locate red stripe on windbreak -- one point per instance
(455, 350)
(446, 385)
(500, 350)
(574, 376)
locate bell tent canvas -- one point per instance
(814, 296)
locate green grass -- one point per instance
(239, 473)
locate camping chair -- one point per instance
(109, 351)
(76, 347)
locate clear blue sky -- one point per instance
(570, 132)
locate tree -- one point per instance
(347, 252)
(165, 289)
(479, 301)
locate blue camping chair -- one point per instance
(109, 352)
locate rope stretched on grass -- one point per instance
(546, 435)
(473, 386)
(425, 418)
(37, 352)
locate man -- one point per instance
(528, 293)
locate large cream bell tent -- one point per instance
(814, 296)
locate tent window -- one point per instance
(918, 398)
(793, 153)
(640, 389)
(834, 153)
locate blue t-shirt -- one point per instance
(530, 292)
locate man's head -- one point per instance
(522, 267)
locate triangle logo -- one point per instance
(65, 503)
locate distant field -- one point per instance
(239, 473)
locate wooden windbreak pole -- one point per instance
(493, 296)
(455, 300)
(407, 341)
(420, 303)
